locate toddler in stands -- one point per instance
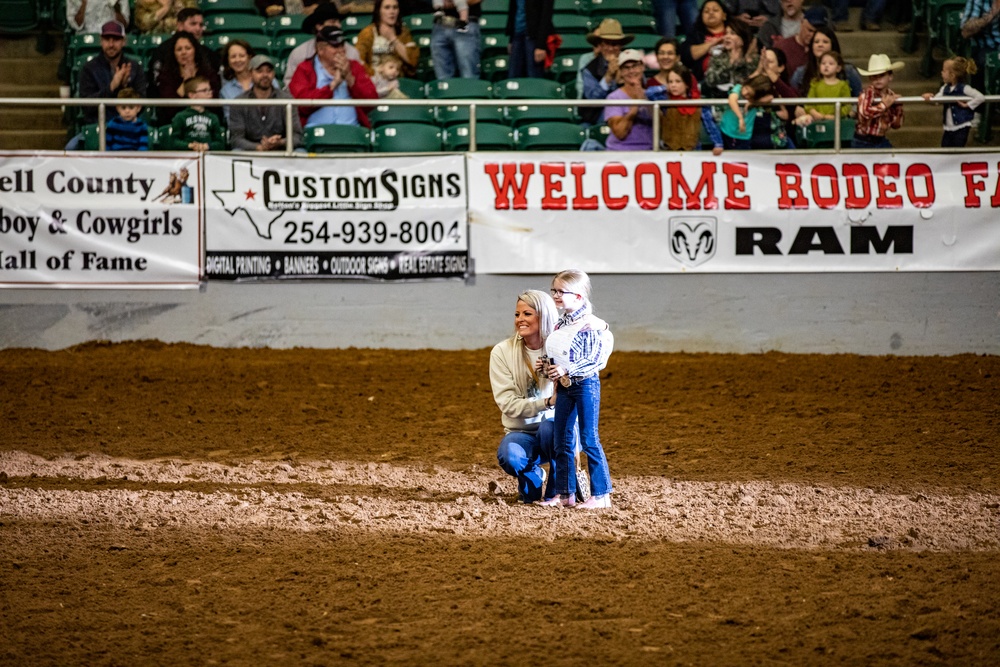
(126, 131)
(760, 125)
(829, 84)
(386, 78)
(875, 119)
(958, 116)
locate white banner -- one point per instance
(747, 212)
(108, 220)
(377, 217)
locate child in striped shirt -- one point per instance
(126, 131)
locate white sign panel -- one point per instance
(377, 218)
(100, 220)
(739, 212)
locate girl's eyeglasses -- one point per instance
(562, 292)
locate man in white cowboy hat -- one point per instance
(600, 76)
(877, 108)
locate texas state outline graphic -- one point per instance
(246, 194)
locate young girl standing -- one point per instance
(829, 84)
(578, 349)
(957, 115)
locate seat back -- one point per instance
(551, 136)
(337, 139)
(407, 138)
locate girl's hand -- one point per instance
(743, 126)
(927, 97)
(556, 372)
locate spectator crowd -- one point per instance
(746, 54)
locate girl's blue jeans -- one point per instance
(580, 402)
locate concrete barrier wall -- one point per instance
(884, 313)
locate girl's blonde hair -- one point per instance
(576, 281)
(963, 67)
(545, 307)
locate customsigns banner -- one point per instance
(746, 212)
(100, 220)
(380, 218)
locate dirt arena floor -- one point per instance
(173, 504)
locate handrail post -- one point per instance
(102, 137)
(289, 129)
(656, 126)
(836, 127)
(472, 127)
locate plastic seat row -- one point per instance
(421, 138)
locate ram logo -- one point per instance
(692, 240)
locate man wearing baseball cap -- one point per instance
(325, 15)
(600, 76)
(261, 128)
(110, 71)
(331, 75)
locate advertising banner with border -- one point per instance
(100, 221)
(735, 213)
(367, 218)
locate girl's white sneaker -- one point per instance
(558, 501)
(602, 502)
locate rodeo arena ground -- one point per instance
(247, 417)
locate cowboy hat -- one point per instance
(879, 63)
(326, 11)
(610, 30)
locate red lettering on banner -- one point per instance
(735, 188)
(580, 202)
(887, 197)
(693, 200)
(829, 173)
(974, 173)
(613, 169)
(551, 202)
(790, 179)
(510, 184)
(648, 203)
(920, 171)
(853, 175)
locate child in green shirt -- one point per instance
(195, 128)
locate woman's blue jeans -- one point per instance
(580, 402)
(522, 59)
(521, 454)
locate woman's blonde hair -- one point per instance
(545, 307)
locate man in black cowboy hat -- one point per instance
(326, 15)
(600, 76)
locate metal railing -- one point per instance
(290, 106)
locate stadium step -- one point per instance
(25, 73)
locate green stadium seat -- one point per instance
(86, 42)
(492, 24)
(212, 7)
(412, 88)
(457, 114)
(352, 24)
(599, 133)
(407, 138)
(934, 16)
(639, 24)
(646, 43)
(220, 24)
(91, 137)
(495, 7)
(575, 44)
(385, 114)
(420, 24)
(18, 16)
(953, 41)
(488, 138)
(528, 89)
(258, 42)
(565, 66)
(526, 114)
(282, 45)
(458, 89)
(284, 25)
(572, 24)
(991, 86)
(549, 137)
(572, 7)
(337, 139)
(616, 8)
(495, 68)
(822, 134)
(494, 45)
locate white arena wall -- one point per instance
(941, 313)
